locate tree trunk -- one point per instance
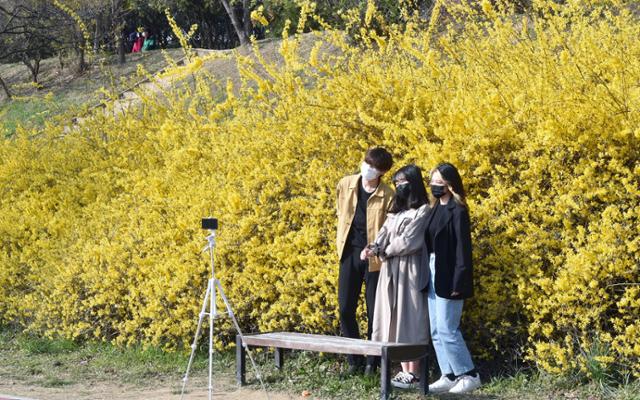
(80, 52)
(236, 24)
(82, 64)
(36, 68)
(61, 60)
(120, 45)
(246, 18)
(207, 37)
(5, 88)
(33, 68)
(98, 33)
(116, 18)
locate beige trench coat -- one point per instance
(401, 313)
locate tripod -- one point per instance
(214, 287)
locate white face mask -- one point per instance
(368, 172)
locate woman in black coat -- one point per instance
(448, 237)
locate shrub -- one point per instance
(99, 226)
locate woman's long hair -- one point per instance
(418, 195)
(453, 180)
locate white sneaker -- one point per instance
(404, 380)
(466, 383)
(442, 385)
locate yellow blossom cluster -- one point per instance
(99, 226)
(257, 16)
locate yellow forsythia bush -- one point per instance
(99, 226)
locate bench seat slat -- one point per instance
(328, 344)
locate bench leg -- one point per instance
(424, 375)
(385, 375)
(241, 362)
(279, 355)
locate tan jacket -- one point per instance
(377, 206)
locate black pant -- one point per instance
(353, 272)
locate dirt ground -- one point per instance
(196, 390)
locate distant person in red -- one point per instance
(137, 45)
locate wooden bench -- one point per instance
(387, 352)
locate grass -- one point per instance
(51, 363)
(540, 385)
(23, 112)
(33, 360)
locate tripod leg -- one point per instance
(194, 345)
(237, 326)
(212, 315)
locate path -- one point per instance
(116, 391)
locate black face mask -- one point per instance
(403, 191)
(438, 191)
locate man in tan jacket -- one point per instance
(362, 203)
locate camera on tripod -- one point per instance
(210, 223)
(214, 288)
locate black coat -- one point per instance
(452, 245)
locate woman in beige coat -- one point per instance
(401, 312)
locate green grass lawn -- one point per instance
(38, 361)
(22, 112)
(34, 361)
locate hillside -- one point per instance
(63, 90)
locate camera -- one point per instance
(210, 223)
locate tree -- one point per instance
(117, 13)
(82, 13)
(221, 23)
(24, 35)
(241, 29)
(31, 30)
(5, 88)
(6, 29)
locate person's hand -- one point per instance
(455, 294)
(366, 253)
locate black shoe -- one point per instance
(369, 370)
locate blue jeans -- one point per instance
(444, 318)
